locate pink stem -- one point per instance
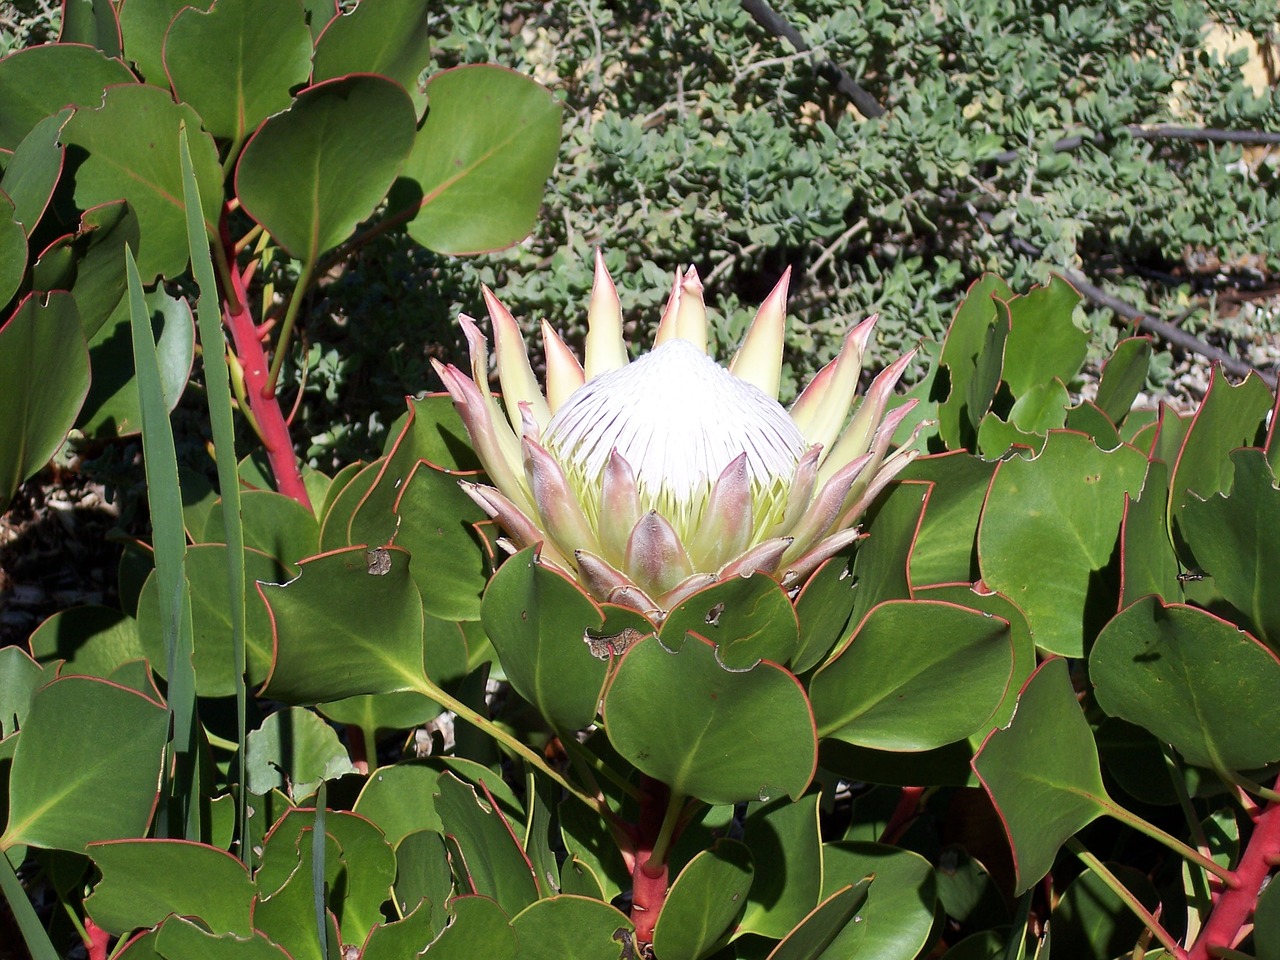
(648, 881)
(98, 940)
(1235, 904)
(263, 402)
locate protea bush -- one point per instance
(648, 480)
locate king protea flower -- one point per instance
(650, 479)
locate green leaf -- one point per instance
(944, 550)
(392, 38)
(132, 145)
(313, 172)
(143, 27)
(569, 926)
(1228, 417)
(359, 869)
(747, 618)
(236, 64)
(181, 939)
(1123, 377)
(704, 901)
(277, 525)
(449, 557)
(44, 377)
(112, 408)
(917, 674)
(13, 250)
(68, 787)
(1042, 805)
(896, 921)
(1266, 924)
(401, 938)
(783, 838)
(1048, 530)
(34, 169)
(423, 873)
(491, 858)
(294, 750)
(1148, 563)
(966, 339)
(143, 881)
(93, 22)
(538, 620)
(340, 612)
(481, 159)
(1092, 923)
(817, 932)
(680, 716)
(823, 608)
(1043, 343)
(90, 262)
(479, 929)
(41, 80)
(20, 677)
(1231, 539)
(93, 640)
(1192, 679)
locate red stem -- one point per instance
(263, 402)
(98, 940)
(1236, 904)
(903, 814)
(648, 881)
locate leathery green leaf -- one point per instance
(86, 767)
(1232, 539)
(349, 607)
(570, 926)
(40, 80)
(538, 621)
(680, 717)
(491, 856)
(1194, 680)
(44, 378)
(747, 618)
(132, 142)
(704, 901)
(481, 159)
(785, 836)
(817, 932)
(1042, 805)
(313, 172)
(896, 921)
(1048, 531)
(915, 675)
(143, 881)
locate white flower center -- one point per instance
(678, 418)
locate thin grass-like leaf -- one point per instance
(217, 380)
(38, 943)
(165, 501)
(318, 869)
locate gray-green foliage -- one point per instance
(695, 136)
(691, 135)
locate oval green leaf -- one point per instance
(1042, 805)
(570, 926)
(1049, 527)
(1194, 680)
(747, 618)
(719, 735)
(41, 80)
(86, 767)
(44, 377)
(313, 172)
(702, 904)
(481, 159)
(916, 675)
(538, 620)
(236, 64)
(132, 145)
(342, 629)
